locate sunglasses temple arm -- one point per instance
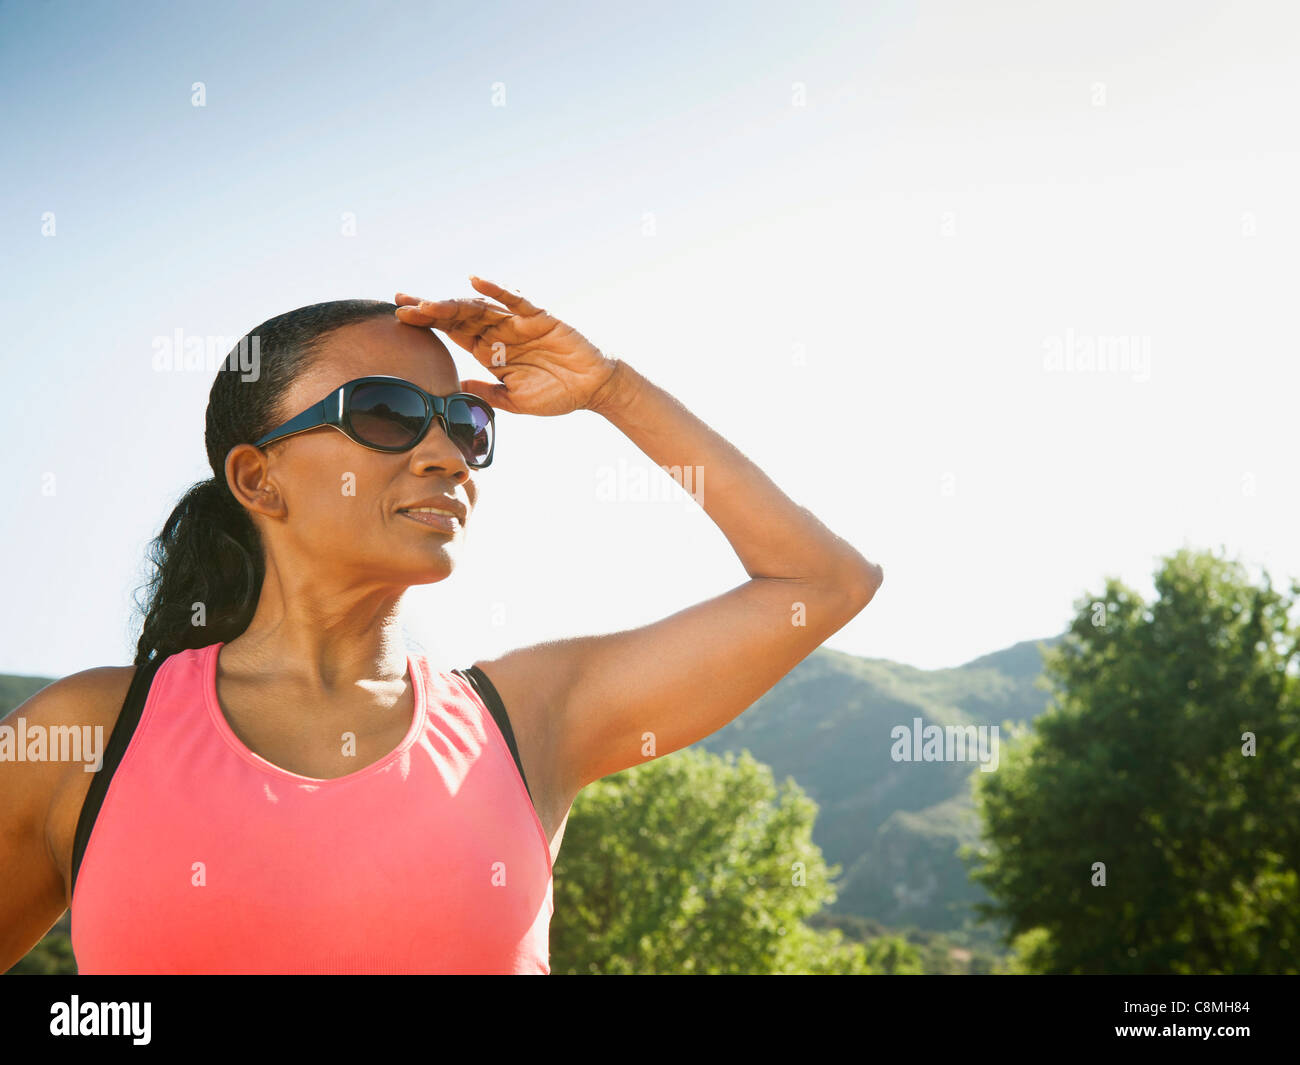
(308, 419)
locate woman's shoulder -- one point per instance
(45, 780)
(83, 704)
(82, 698)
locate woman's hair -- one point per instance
(208, 561)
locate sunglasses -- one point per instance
(390, 414)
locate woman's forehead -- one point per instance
(382, 347)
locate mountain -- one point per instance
(893, 826)
(14, 690)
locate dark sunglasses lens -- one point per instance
(471, 428)
(386, 415)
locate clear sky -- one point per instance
(912, 221)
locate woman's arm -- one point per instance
(662, 687)
(593, 705)
(40, 802)
(773, 537)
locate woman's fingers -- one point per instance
(513, 300)
(434, 310)
(460, 315)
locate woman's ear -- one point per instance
(249, 477)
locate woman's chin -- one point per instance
(431, 570)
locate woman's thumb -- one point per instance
(495, 394)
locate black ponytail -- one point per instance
(208, 560)
(207, 573)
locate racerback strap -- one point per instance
(123, 730)
(487, 692)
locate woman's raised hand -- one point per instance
(542, 365)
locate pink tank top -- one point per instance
(206, 858)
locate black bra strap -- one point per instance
(123, 730)
(488, 693)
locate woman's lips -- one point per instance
(442, 522)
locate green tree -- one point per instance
(695, 863)
(1144, 763)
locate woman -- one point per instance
(298, 793)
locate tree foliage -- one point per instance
(695, 863)
(1144, 763)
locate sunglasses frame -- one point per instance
(334, 410)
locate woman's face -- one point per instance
(341, 501)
